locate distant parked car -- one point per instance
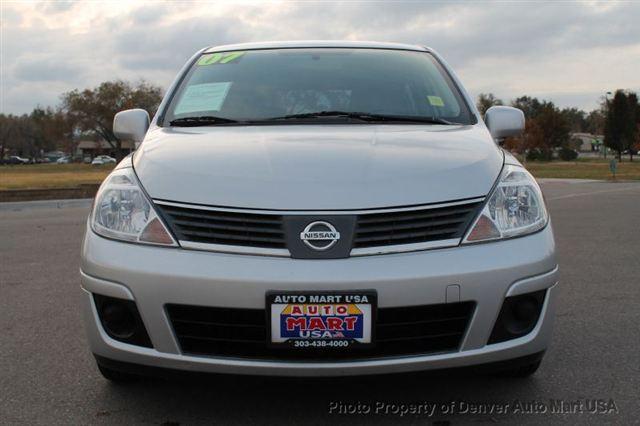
(106, 159)
(97, 162)
(87, 160)
(54, 156)
(14, 159)
(64, 160)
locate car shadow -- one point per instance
(441, 397)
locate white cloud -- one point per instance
(566, 52)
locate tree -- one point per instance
(576, 118)
(486, 101)
(92, 110)
(633, 129)
(546, 128)
(554, 124)
(532, 140)
(7, 128)
(530, 106)
(18, 135)
(636, 146)
(29, 135)
(621, 123)
(595, 121)
(51, 130)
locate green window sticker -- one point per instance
(209, 59)
(219, 58)
(203, 97)
(230, 56)
(436, 101)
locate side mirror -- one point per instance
(131, 124)
(504, 121)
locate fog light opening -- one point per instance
(518, 316)
(121, 320)
(523, 315)
(118, 320)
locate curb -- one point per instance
(568, 180)
(45, 204)
(85, 190)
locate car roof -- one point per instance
(316, 43)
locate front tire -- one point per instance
(116, 376)
(520, 371)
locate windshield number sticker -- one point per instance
(436, 101)
(219, 58)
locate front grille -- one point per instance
(413, 226)
(267, 231)
(225, 228)
(242, 333)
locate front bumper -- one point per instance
(154, 277)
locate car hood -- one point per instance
(318, 167)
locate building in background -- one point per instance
(88, 148)
(586, 142)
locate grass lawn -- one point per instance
(584, 169)
(51, 175)
(69, 175)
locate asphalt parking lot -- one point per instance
(48, 376)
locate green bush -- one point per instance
(567, 154)
(532, 155)
(538, 155)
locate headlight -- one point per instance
(515, 208)
(123, 212)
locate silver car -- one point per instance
(318, 209)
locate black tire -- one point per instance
(520, 371)
(116, 376)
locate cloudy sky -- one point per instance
(567, 52)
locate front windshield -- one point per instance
(255, 86)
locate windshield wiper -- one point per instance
(207, 120)
(409, 119)
(204, 120)
(320, 114)
(363, 116)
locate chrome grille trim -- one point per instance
(319, 212)
(223, 248)
(404, 248)
(284, 252)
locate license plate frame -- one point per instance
(368, 309)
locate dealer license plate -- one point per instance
(321, 319)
